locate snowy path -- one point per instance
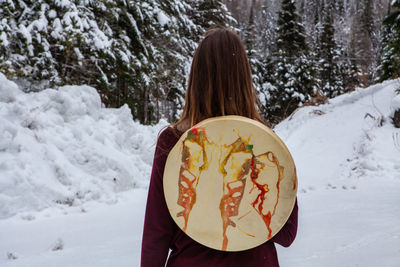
(349, 194)
(336, 228)
(103, 236)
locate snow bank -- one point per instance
(61, 147)
(353, 135)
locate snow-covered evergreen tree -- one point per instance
(37, 35)
(260, 59)
(294, 74)
(390, 66)
(252, 48)
(133, 52)
(330, 80)
(207, 13)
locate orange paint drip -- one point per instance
(280, 177)
(230, 201)
(186, 182)
(244, 215)
(187, 195)
(249, 234)
(229, 206)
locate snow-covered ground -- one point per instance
(60, 205)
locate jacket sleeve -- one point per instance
(287, 234)
(159, 227)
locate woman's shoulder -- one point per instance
(168, 138)
(169, 132)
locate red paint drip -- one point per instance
(263, 188)
(194, 131)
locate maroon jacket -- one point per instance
(160, 233)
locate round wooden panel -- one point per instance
(230, 183)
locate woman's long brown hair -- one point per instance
(220, 81)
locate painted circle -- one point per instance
(230, 183)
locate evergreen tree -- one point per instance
(390, 66)
(290, 31)
(362, 43)
(250, 35)
(330, 80)
(264, 36)
(252, 49)
(134, 52)
(339, 7)
(348, 71)
(294, 77)
(265, 25)
(208, 13)
(357, 74)
(257, 56)
(367, 21)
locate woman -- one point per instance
(220, 83)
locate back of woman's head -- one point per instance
(220, 81)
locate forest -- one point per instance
(138, 53)
(88, 89)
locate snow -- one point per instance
(162, 18)
(63, 3)
(78, 53)
(56, 143)
(349, 181)
(8, 90)
(100, 236)
(100, 40)
(60, 147)
(52, 14)
(40, 24)
(3, 39)
(57, 29)
(25, 32)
